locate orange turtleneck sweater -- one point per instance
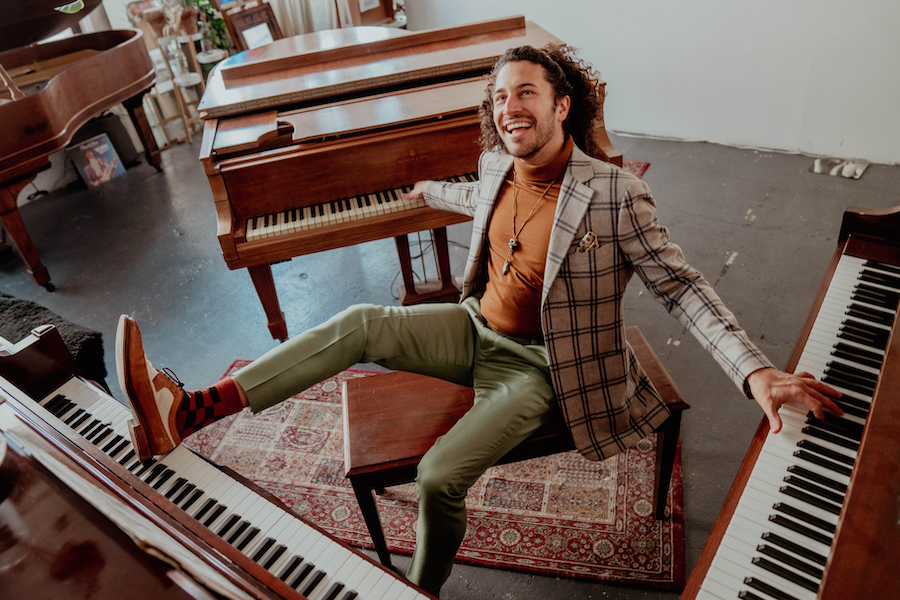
(511, 303)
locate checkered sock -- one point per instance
(202, 407)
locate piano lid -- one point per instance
(357, 62)
(26, 23)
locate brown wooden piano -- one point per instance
(310, 140)
(814, 512)
(48, 91)
(81, 517)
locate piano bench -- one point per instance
(384, 439)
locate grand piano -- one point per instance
(309, 141)
(48, 91)
(814, 512)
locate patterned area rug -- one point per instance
(561, 515)
(636, 167)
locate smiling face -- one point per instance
(526, 113)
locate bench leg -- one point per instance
(666, 442)
(366, 499)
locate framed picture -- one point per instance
(96, 160)
(254, 27)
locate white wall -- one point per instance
(819, 77)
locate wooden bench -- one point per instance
(384, 439)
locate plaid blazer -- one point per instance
(603, 393)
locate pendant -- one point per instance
(505, 267)
(513, 244)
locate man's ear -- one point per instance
(562, 108)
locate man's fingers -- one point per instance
(774, 420)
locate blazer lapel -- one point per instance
(574, 200)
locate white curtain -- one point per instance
(304, 16)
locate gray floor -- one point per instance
(145, 244)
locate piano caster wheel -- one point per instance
(49, 287)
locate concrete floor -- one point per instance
(145, 244)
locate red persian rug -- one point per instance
(560, 515)
(636, 167)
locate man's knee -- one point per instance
(436, 478)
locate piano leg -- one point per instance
(15, 227)
(265, 289)
(135, 108)
(442, 290)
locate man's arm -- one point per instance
(772, 388)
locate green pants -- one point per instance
(450, 341)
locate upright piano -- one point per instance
(815, 510)
(310, 140)
(79, 512)
(48, 91)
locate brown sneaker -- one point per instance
(154, 395)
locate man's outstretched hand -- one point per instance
(417, 193)
(771, 388)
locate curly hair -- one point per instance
(569, 76)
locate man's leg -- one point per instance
(431, 339)
(513, 398)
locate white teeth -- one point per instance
(512, 126)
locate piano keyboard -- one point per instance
(778, 539)
(308, 561)
(336, 211)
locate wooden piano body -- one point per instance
(340, 115)
(48, 91)
(81, 517)
(862, 560)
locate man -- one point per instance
(556, 237)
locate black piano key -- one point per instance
(112, 443)
(71, 419)
(863, 379)
(274, 556)
(125, 443)
(777, 540)
(86, 429)
(248, 537)
(312, 582)
(194, 496)
(874, 264)
(127, 458)
(850, 429)
(857, 355)
(290, 567)
(884, 279)
(876, 296)
(262, 549)
(55, 403)
(179, 483)
(207, 506)
(166, 476)
(301, 574)
(850, 409)
(830, 437)
(228, 524)
(864, 334)
(157, 470)
(749, 595)
(826, 452)
(801, 529)
(214, 514)
(813, 488)
(100, 434)
(238, 531)
(802, 515)
(77, 423)
(823, 462)
(768, 565)
(333, 591)
(765, 588)
(139, 468)
(793, 492)
(349, 595)
(817, 478)
(872, 315)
